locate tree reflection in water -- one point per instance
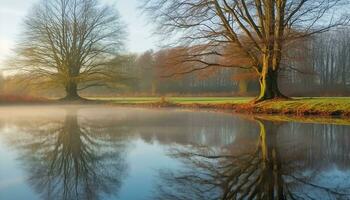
(73, 159)
(276, 165)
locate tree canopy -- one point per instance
(260, 30)
(70, 43)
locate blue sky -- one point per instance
(12, 13)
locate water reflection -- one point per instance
(282, 162)
(73, 158)
(79, 153)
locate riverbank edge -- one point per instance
(295, 108)
(247, 108)
(256, 112)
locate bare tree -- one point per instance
(70, 43)
(260, 29)
(330, 56)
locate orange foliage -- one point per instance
(245, 76)
(9, 98)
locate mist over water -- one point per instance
(102, 152)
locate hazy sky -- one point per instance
(12, 13)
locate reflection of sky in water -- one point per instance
(12, 178)
(140, 142)
(147, 160)
(332, 177)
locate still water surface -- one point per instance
(105, 153)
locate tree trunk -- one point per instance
(269, 86)
(71, 91)
(272, 178)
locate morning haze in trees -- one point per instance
(70, 44)
(261, 30)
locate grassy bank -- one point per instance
(325, 106)
(328, 106)
(176, 100)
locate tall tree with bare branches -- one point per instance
(71, 43)
(260, 30)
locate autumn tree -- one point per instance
(70, 43)
(260, 29)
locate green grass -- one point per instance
(177, 100)
(295, 106)
(321, 104)
(128, 100)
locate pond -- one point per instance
(105, 153)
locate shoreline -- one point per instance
(277, 117)
(265, 108)
(302, 109)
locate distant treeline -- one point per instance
(323, 67)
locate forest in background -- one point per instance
(319, 66)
